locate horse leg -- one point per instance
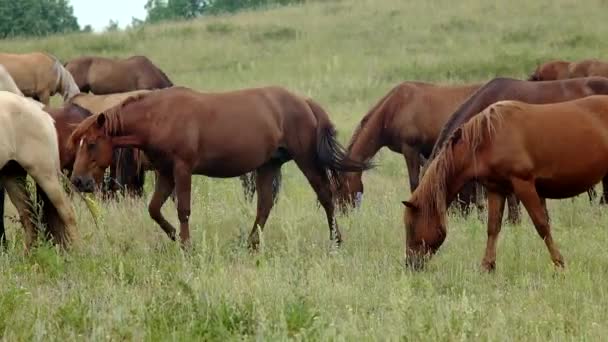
(265, 176)
(319, 181)
(64, 231)
(162, 189)
(412, 161)
(513, 216)
(593, 194)
(496, 207)
(526, 192)
(3, 241)
(182, 176)
(15, 187)
(248, 184)
(604, 199)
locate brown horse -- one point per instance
(129, 165)
(561, 70)
(39, 75)
(101, 75)
(502, 147)
(66, 118)
(407, 120)
(184, 132)
(500, 89)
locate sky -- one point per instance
(98, 13)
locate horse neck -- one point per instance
(445, 177)
(368, 140)
(127, 128)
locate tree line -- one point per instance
(45, 17)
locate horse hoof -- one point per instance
(488, 266)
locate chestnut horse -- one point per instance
(101, 75)
(39, 75)
(66, 118)
(560, 70)
(28, 145)
(530, 92)
(185, 133)
(503, 148)
(407, 120)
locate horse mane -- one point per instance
(380, 104)
(431, 193)
(113, 124)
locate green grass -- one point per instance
(128, 282)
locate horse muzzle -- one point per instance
(84, 183)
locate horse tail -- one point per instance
(248, 183)
(330, 154)
(2, 231)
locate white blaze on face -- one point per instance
(81, 142)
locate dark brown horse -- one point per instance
(500, 89)
(561, 70)
(503, 148)
(407, 120)
(184, 132)
(101, 75)
(66, 118)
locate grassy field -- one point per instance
(128, 282)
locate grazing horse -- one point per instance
(561, 70)
(530, 92)
(39, 75)
(28, 145)
(129, 165)
(503, 148)
(407, 120)
(185, 133)
(101, 75)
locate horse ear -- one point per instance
(101, 120)
(409, 205)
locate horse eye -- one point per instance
(91, 145)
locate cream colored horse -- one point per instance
(40, 75)
(28, 145)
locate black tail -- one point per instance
(248, 183)
(331, 155)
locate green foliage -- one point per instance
(36, 17)
(160, 10)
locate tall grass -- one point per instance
(128, 282)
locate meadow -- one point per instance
(129, 282)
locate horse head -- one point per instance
(93, 148)
(424, 232)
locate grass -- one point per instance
(128, 282)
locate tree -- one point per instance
(159, 10)
(36, 17)
(112, 26)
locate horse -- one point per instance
(28, 145)
(502, 88)
(407, 120)
(185, 133)
(502, 148)
(101, 75)
(39, 75)
(8, 84)
(129, 165)
(560, 70)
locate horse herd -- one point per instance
(510, 140)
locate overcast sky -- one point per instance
(98, 13)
